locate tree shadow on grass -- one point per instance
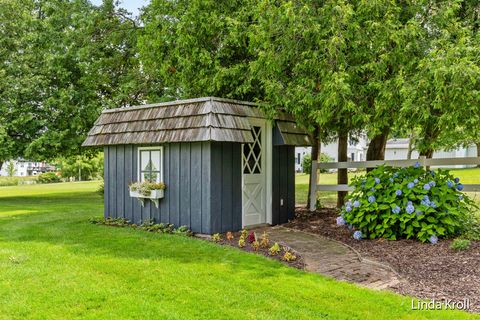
(62, 219)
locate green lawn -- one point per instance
(56, 265)
(327, 198)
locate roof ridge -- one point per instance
(178, 102)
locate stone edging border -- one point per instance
(360, 258)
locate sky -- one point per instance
(131, 5)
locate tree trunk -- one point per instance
(478, 152)
(314, 156)
(1, 164)
(410, 148)
(427, 153)
(376, 148)
(342, 175)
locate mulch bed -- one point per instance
(431, 271)
(298, 263)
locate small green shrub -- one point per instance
(274, 250)
(216, 237)
(101, 189)
(407, 203)
(289, 257)
(460, 244)
(241, 242)
(472, 228)
(307, 162)
(10, 181)
(48, 177)
(149, 226)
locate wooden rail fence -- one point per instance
(314, 179)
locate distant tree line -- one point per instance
(341, 67)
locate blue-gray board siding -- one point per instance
(226, 198)
(203, 186)
(283, 184)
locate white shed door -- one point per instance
(254, 176)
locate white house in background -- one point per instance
(396, 149)
(25, 168)
(357, 151)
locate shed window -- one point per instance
(150, 160)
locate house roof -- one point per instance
(398, 143)
(202, 119)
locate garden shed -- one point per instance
(224, 164)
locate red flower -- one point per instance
(251, 237)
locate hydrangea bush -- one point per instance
(407, 203)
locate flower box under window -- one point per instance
(147, 190)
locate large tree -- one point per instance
(442, 91)
(335, 65)
(199, 48)
(63, 63)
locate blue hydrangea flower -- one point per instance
(457, 180)
(396, 210)
(433, 204)
(432, 183)
(356, 203)
(417, 164)
(425, 201)
(433, 239)
(348, 209)
(415, 181)
(395, 175)
(410, 185)
(419, 212)
(460, 187)
(449, 183)
(409, 203)
(341, 221)
(432, 173)
(391, 180)
(349, 203)
(357, 235)
(377, 180)
(410, 209)
(372, 189)
(426, 186)
(460, 197)
(371, 199)
(398, 192)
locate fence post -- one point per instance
(313, 183)
(423, 162)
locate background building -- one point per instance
(25, 168)
(396, 149)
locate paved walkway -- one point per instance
(334, 259)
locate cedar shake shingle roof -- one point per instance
(203, 119)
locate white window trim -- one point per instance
(139, 167)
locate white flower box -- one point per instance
(153, 196)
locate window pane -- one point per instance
(155, 157)
(150, 165)
(153, 176)
(145, 159)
